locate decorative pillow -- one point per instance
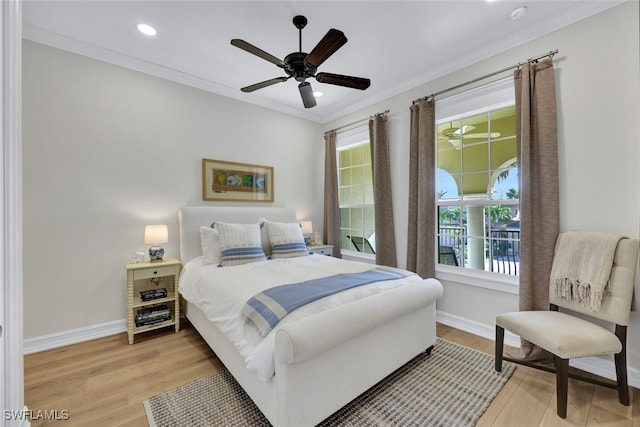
(286, 240)
(210, 242)
(239, 243)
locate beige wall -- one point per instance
(108, 150)
(598, 97)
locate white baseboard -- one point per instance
(476, 328)
(596, 365)
(73, 336)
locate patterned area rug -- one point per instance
(451, 387)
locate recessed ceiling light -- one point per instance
(147, 29)
(317, 93)
(518, 12)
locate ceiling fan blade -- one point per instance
(306, 92)
(463, 130)
(265, 83)
(257, 51)
(481, 135)
(340, 80)
(330, 43)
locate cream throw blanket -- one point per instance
(582, 265)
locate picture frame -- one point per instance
(232, 181)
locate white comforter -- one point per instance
(221, 292)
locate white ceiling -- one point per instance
(397, 44)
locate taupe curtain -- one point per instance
(385, 235)
(331, 223)
(422, 190)
(537, 142)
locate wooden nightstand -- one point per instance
(321, 249)
(144, 276)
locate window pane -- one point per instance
(344, 176)
(356, 218)
(501, 215)
(449, 159)
(505, 184)
(503, 152)
(475, 158)
(345, 218)
(477, 161)
(357, 175)
(369, 219)
(447, 186)
(367, 154)
(475, 185)
(503, 123)
(368, 194)
(345, 195)
(357, 195)
(344, 158)
(357, 155)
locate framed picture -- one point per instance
(232, 181)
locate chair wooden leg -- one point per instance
(562, 384)
(499, 347)
(621, 366)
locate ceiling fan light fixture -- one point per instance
(147, 29)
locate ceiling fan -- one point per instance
(455, 136)
(302, 66)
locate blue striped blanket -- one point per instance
(269, 307)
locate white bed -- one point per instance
(323, 361)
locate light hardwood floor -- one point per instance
(104, 382)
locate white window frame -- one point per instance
(488, 97)
(348, 139)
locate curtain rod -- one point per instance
(357, 121)
(518, 65)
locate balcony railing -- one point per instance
(502, 248)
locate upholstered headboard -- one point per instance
(190, 218)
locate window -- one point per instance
(355, 185)
(477, 184)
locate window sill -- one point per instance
(482, 279)
(358, 256)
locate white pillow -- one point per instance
(286, 240)
(210, 242)
(239, 243)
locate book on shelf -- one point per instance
(154, 321)
(151, 315)
(151, 294)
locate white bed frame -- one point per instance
(324, 361)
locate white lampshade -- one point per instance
(307, 227)
(156, 234)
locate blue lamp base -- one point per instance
(156, 253)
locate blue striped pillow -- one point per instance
(239, 243)
(286, 240)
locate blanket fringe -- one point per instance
(574, 290)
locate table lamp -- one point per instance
(154, 235)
